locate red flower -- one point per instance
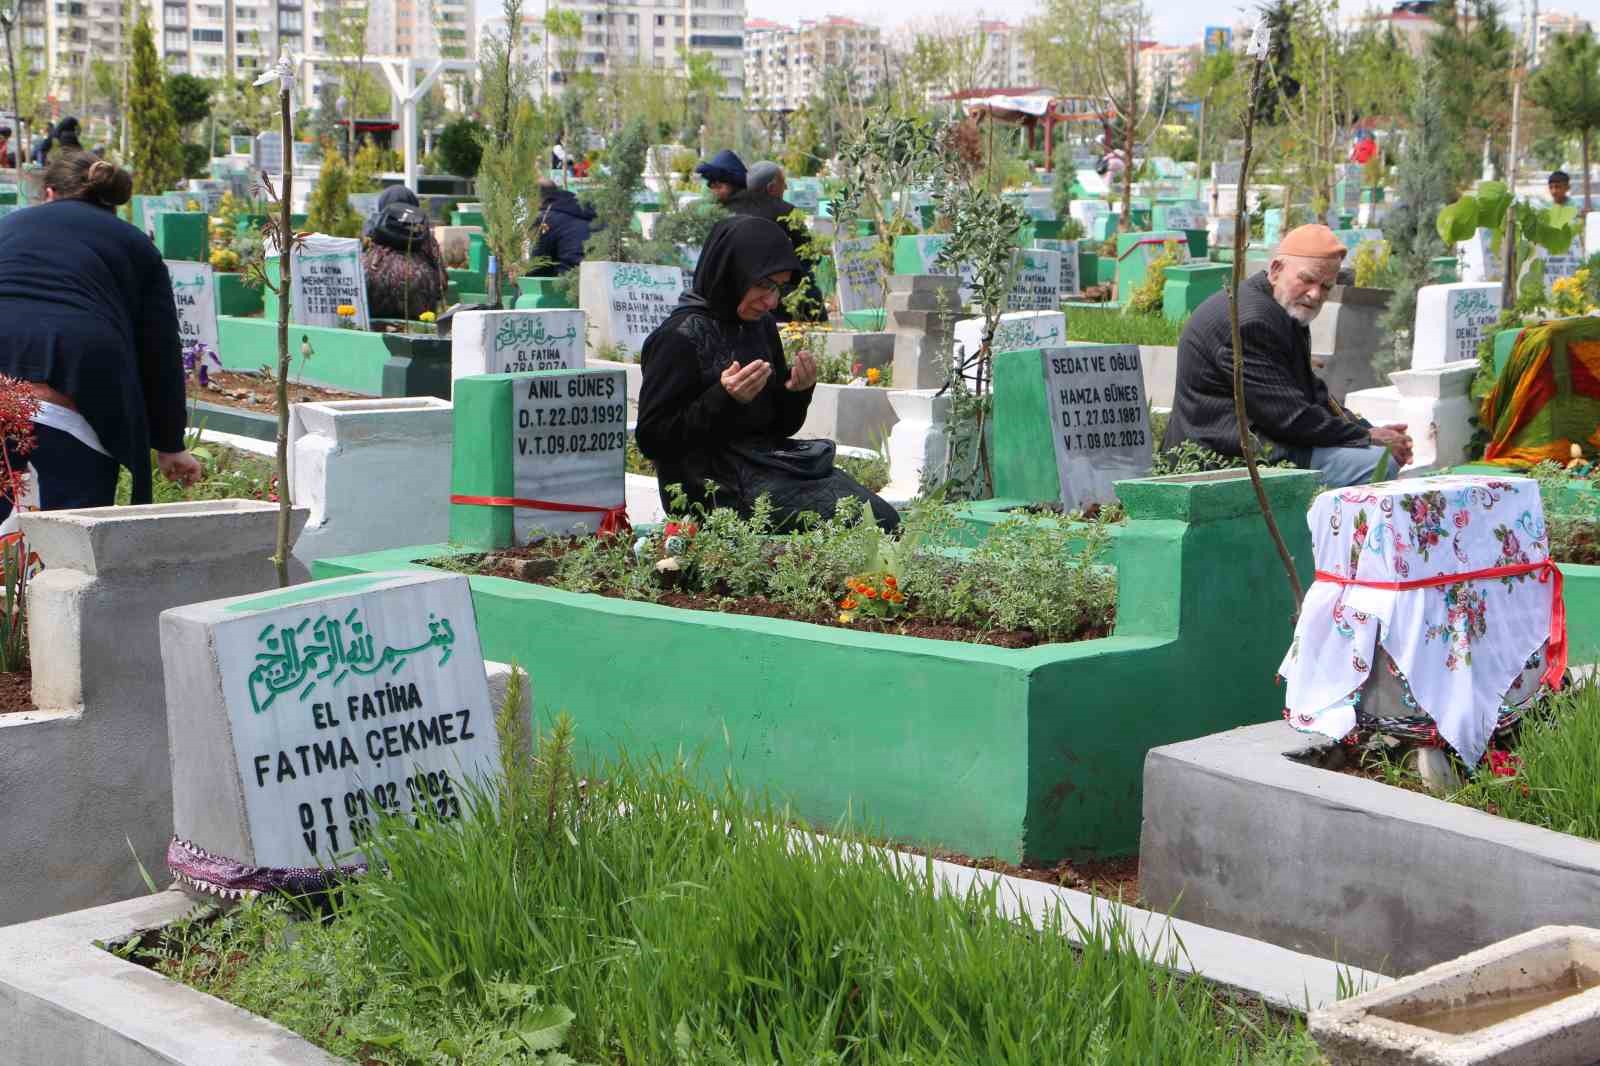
(1504, 763)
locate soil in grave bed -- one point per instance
(252, 392)
(535, 564)
(16, 691)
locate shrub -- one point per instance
(460, 146)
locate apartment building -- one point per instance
(1159, 62)
(1004, 62)
(1552, 24)
(785, 66)
(656, 33)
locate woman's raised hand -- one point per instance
(745, 382)
(804, 373)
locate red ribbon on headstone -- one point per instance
(614, 522)
(1549, 573)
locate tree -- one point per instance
(190, 98)
(1568, 87)
(155, 152)
(460, 147)
(329, 211)
(344, 28)
(513, 147)
(614, 240)
(701, 84)
(1475, 47)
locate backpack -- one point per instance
(401, 226)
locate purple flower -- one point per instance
(196, 356)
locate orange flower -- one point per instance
(874, 375)
(848, 603)
(889, 581)
(869, 592)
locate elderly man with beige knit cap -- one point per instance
(1288, 406)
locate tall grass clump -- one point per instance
(1549, 779)
(1111, 326)
(640, 917)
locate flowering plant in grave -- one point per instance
(1570, 296)
(198, 358)
(17, 564)
(807, 337)
(347, 316)
(874, 595)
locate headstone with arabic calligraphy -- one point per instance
(515, 342)
(1036, 284)
(1068, 250)
(1099, 419)
(859, 267)
(626, 302)
(299, 718)
(148, 208)
(1017, 331)
(1451, 320)
(569, 444)
(195, 295)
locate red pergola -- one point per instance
(1031, 107)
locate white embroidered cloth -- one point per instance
(1460, 645)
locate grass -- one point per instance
(643, 918)
(1111, 326)
(1556, 765)
(228, 474)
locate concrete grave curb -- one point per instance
(1240, 836)
(65, 1001)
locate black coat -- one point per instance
(89, 311)
(773, 209)
(563, 229)
(1287, 404)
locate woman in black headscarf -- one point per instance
(402, 261)
(719, 400)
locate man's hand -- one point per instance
(1394, 438)
(180, 467)
(744, 383)
(804, 374)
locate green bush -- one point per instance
(460, 147)
(196, 161)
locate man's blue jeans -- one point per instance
(1339, 467)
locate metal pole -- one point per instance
(1508, 285)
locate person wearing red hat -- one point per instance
(1288, 406)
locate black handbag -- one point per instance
(808, 460)
(401, 226)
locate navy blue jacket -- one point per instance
(88, 308)
(563, 229)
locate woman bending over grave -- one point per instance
(720, 402)
(90, 323)
(402, 261)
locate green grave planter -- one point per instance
(1442, 270)
(260, 423)
(825, 275)
(1088, 268)
(1032, 753)
(465, 280)
(249, 223)
(477, 254)
(1199, 243)
(183, 235)
(466, 218)
(867, 320)
(1189, 286)
(540, 293)
(236, 297)
(354, 360)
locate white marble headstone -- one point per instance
(195, 295)
(1186, 216)
(1070, 282)
(1036, 284)
(1451, 321)
(1099, 419)
(627, 301)
(328, 274)
(515, 342)
(860, 273)
(569, 443)
(1017, 331)
(299, 717)
(1561, 266)
(1476, 259)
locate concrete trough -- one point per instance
(1533, 1000)
(1243, 831)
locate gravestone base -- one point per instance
(860, 416)
(922, 310)
(1345, 336)
(1435, 406)
(342, 459)
(918, 444)
(89, 773)
(870, 348)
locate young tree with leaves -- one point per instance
(1567, 86)
(513, 147)
(156, 154)
(328, 210)
(1475, 49)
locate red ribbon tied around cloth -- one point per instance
(1548, 571)
(614, 522)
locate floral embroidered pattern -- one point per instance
(1358, 538)
(1465, 620)
(1426, 510)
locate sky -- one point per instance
(1175, 21)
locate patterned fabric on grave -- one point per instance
(1547, 398)
(1451, 576)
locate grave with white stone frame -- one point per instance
(538, 454)
(298, 720)
(516, 342)
(1432, 398)
(195, 296)
(625, 302)
(859, 269)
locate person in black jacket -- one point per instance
(719, 399)
(67, 134)
(1287, 404)
(92, 326)
(562, 231)
(763, 198)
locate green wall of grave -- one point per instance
(354, 360)
(1032, 753)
